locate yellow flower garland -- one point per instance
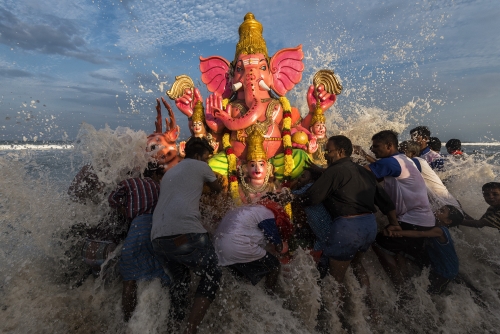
(287, 138)
(231, 169)
(287, 144)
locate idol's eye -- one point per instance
(238, 69)
(153, 147)
(263, 68)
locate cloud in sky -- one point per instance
(87, 57)
(52, 36)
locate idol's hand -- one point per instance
(186, 102)
(214, 107)
(313, 145)
(326, 99)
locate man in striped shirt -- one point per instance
(137, 198)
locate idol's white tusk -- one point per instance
(263, 85)
(237, 86)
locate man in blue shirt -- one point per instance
(406, 187)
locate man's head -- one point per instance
(453, 145)
(491, 193)
(307, 176)
(421, 135)
(410, 148)
(198, 149)
(435, 144)
(154, 171)
(449, 216)
(384, 144)
(337, 147)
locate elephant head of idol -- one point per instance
(161, 144)
(253, 74)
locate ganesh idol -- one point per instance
(248, 94)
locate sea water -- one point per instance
(41, 267)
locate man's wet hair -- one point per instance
(152, 169)
(411, 147)
(386, 137)
(490, 186)
(455, 215)
(422, 131)
(198, 146)
(454, 145)
(435, 144)
(342, 142)
(282, 198)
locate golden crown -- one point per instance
(198, 113)
(251, 40)
(318, 116)
(255, 147)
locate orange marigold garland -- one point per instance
(287, 143)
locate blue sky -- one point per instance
(105, 62)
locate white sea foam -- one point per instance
(35, 147)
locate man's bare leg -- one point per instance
(198, 311)
(337, 271)
(272, 279)
(391, 267)
(360, 273)
(129, 299)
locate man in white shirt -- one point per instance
(179, 240)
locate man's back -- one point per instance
(178, 210)
(434, 159)
(346, 189)
(406, 187)
(438, 193)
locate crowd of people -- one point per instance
(166, 238)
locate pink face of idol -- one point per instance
(251, 69)
(319, 130)
(198, 128)
(257, 169)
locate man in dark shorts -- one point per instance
(242, 236)
(137, 198)
(349, 193)
(179, 240)
(406, 187)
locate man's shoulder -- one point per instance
(387, 166)
(492, 217)
(492, 210)
(391, 160)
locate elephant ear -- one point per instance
(286, 69)
(215, 74)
